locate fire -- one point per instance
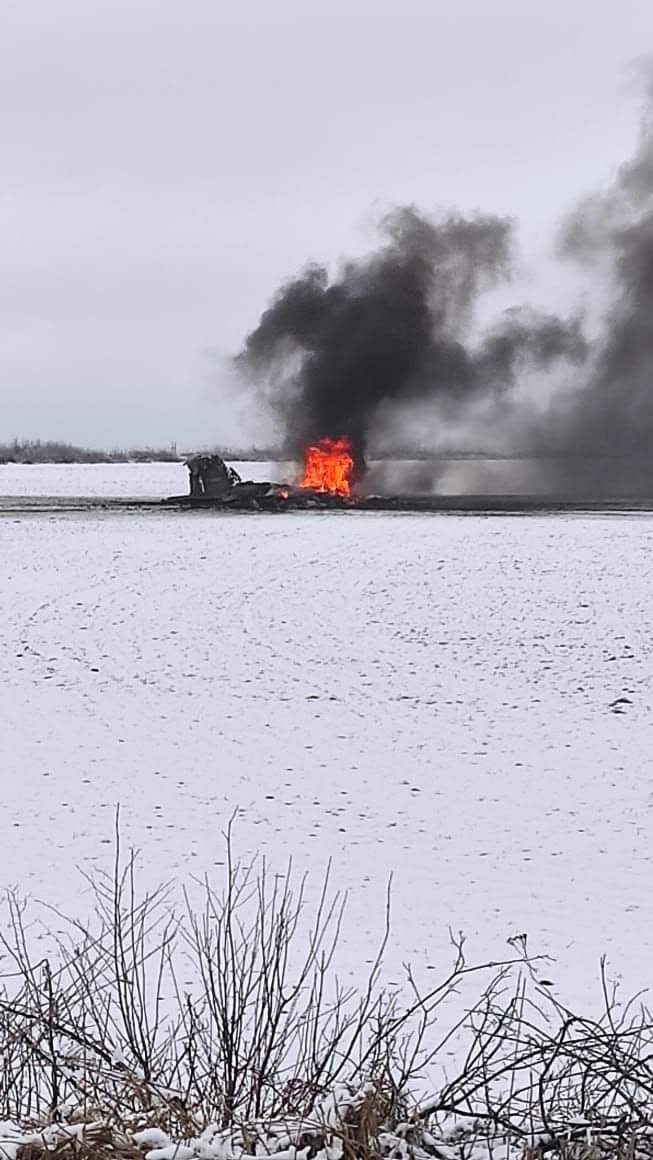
(328, 465)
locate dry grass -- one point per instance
(95, 1141)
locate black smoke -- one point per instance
(604, 430)
(394, 327)
(397, 330)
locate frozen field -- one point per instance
(109, 480)
(431, 696)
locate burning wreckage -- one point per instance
(326, 482)
(331, 480)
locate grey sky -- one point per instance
(166, 163)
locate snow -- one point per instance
(171, 1152)
(464, 702)
(152, 1136)
(113, 480)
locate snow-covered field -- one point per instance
(110, 480)
(428, 696)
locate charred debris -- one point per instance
(215, 485)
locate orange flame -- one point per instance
(328, 465)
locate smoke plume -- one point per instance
(394, 327)
(398, 329)
(604, 430)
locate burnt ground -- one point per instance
(275, 504)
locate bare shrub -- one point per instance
(266, 1050)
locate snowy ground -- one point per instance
(429, 696)
(114, 480)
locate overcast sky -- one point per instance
(166, 163)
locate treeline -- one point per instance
(49, 451)
(253, 454)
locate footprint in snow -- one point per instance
(619, 704)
